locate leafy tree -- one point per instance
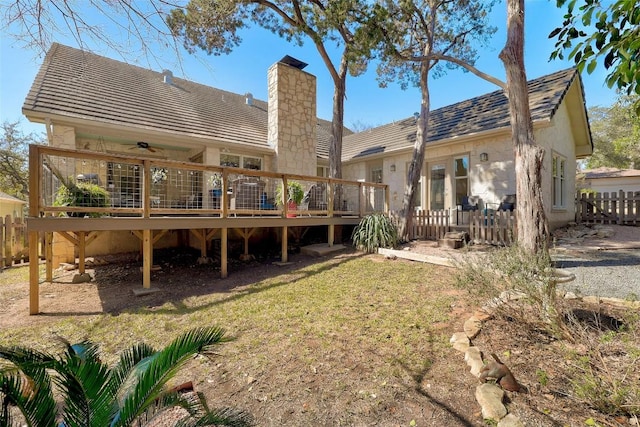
(94, 394)
(417, 38)
(615, 39)
(214, 26)
(616, 134)
(14, 159)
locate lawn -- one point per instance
(352, 340)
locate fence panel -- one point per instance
(13, 241)
(608, 208)
(492, 228)
(429, 225)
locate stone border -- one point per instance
(489, 396)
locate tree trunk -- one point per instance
(337, 122)
(533, 230)
(415, 167)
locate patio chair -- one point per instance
(468, 204)
(508, 203)
(246, 193)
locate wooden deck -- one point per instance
(148, 197)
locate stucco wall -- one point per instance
(558, 139)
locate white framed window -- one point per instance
(376, 175)
(461, 177)
(559, 171)
(240, 161)
(322, 171)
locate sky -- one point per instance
(245, 70)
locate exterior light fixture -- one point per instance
(393, 168)
(484, 157)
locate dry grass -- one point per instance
(350, 340)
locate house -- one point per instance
(610, 180)
(12, 206)
(94, 103)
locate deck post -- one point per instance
(48, 255)
(284, 248)
(34, 212)
(147, 251)
(81, 251)
(331, 235)
(34, 274)
(223, 252)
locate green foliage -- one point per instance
(516, 270)
(14, 152)
(295, 192)
(616, 134)
(374, 231)
(94, 394)
(543, 378)
(615, 40)
(82, 194)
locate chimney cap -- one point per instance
(296, 63)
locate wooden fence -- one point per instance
(608, 208)
(429, 225)
(14, 246)
(494, 228)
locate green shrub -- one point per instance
(295, 193)
(82, 194)
(375, 231)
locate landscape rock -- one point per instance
(473, 357)
(472, 327)
(489, 396)
(81, 278)
(510, 421)
(460, 341)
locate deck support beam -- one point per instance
(284, 249)
(224, 245)
(147, 258)
(34, 274)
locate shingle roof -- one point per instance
(5, 196)
(79, 84)
(605, 172)
(483, 113)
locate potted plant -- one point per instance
(295, 195)
(82, 194)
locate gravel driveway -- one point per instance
(604, 273)
(605, 260)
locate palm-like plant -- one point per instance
(375, 231)
(94, 394)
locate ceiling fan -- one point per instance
(141, 145)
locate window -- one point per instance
(238, 161)
(461, 177)
(376, 175)
(559, 167)
(322, 171)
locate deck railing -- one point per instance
(608, 208)
(86, 183)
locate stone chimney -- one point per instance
(292, 117)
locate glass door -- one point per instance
(436, 187)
